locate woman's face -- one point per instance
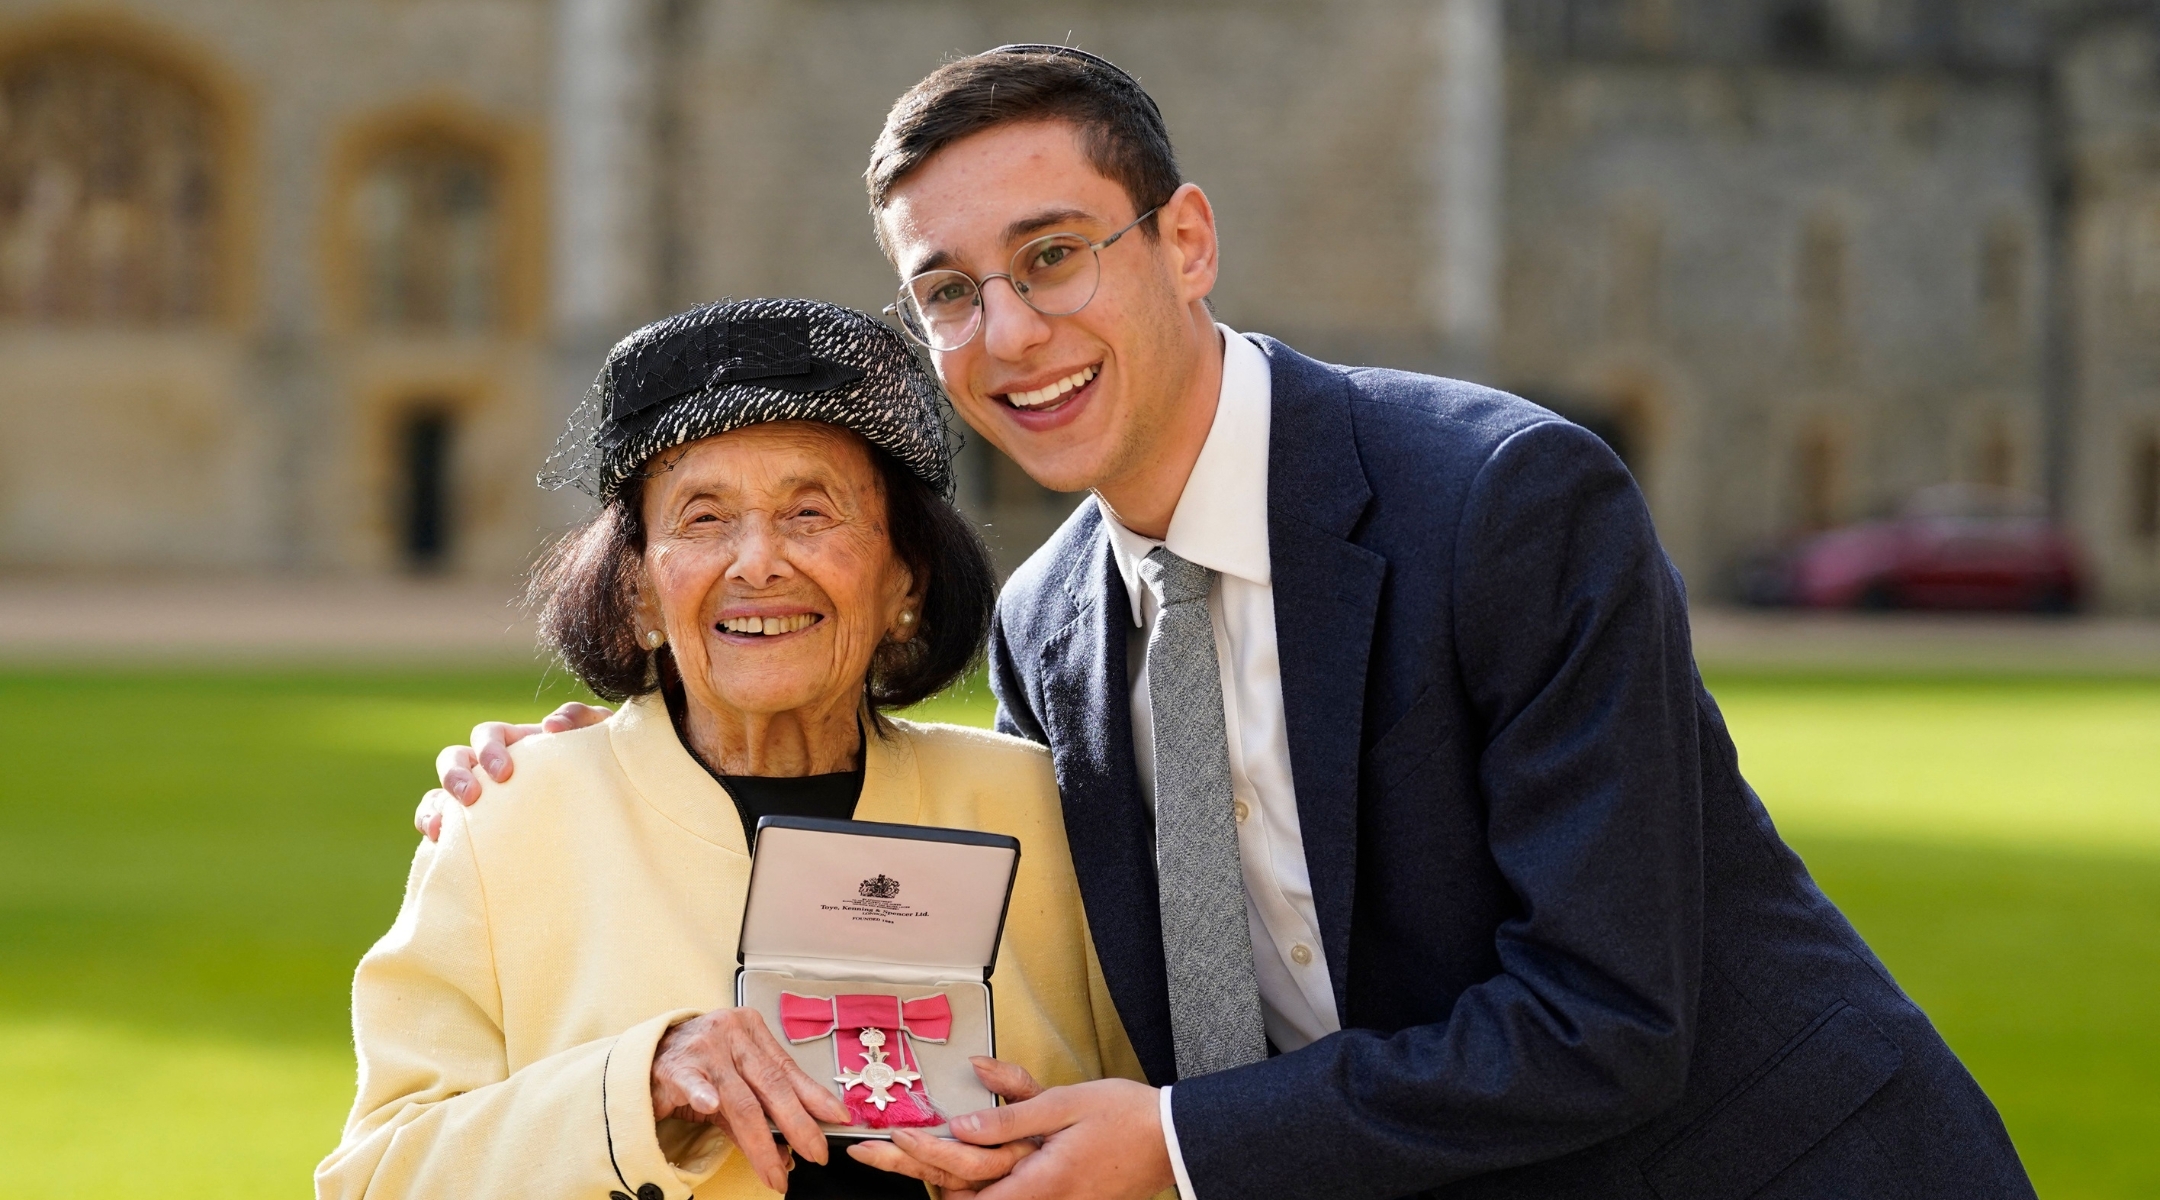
(770, 567)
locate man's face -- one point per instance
(1078, 401)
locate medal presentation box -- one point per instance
(868, 950)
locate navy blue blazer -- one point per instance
(1571, 955)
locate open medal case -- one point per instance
(868, 949)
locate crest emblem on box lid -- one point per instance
(831, 891)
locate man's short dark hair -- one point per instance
(1121, 131)
(585, 591)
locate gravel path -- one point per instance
(1742, 638)
(254, 620)
(211, 620)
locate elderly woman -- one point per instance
(772, 566)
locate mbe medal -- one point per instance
(868, 948)
(877, 1076)
(874, 1050)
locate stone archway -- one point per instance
(113, 187)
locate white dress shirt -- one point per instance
(1221, 523)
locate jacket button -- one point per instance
(650, 1191)
(1242, 809)
(1301, 954)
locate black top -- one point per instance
(832, 796)
(845, 1179)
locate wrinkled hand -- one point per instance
(953, 1166)
(1099, 1141)
(490, 751)
(726, 1068)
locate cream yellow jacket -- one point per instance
(505, 1025)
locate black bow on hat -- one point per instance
(770, 350)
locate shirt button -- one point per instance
(1242, 809)
(1301, 954)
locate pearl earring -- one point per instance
(907, 616)
(655, 638)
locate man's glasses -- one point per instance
(1055, 275)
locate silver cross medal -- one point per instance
(877, 1076)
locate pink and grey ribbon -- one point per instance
(845, 1019)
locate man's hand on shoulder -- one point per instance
(1100, 1141)
(490, 752)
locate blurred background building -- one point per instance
(308, 287)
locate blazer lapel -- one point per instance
(1327, 599)
(1088, 719)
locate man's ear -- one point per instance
(1186, 229)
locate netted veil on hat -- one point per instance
(720, 367)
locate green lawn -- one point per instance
(1998, 843)
(191, 863)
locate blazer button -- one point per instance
(1301, 954)
(1242, 809)
(650, 1191)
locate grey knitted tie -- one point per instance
(1207, 945)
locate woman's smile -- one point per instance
(752, 626)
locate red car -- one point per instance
(1955, 547)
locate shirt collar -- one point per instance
(1221, 518)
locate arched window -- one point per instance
(2145, 489)
(1635, 275)
(1819, 476)
(1650, 24)
(427, 219)
(1802, 31)
(2004, 265)
(2142, 263)
(109, 198)
(1824, 284)
(1995, 459)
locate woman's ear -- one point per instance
(908, 621)
(651, 632)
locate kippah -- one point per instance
(1084, 56)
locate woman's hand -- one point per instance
(726, 1068)
(957, 1167)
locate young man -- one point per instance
(1415, 853)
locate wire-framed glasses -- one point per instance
(1055, 275)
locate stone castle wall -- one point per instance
(1794, 270)
(259, 436)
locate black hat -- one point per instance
(720, 367)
